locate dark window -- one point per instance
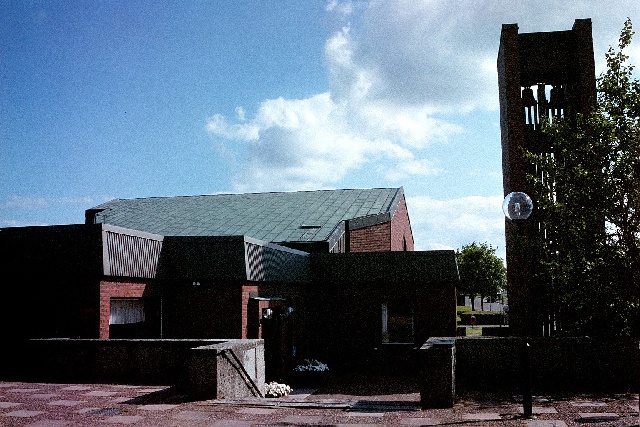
(397, 322)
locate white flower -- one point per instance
(274, 389)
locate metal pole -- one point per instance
(527, 405)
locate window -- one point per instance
(126, 311)
(397, 322)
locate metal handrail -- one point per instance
(243, 370)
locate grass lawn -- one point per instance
(461, 309)
(474, 331)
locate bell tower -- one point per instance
(541, 77)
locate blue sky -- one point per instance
(103, 100)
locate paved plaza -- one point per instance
(57, 405)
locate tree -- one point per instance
(481, 271)
(588, 196)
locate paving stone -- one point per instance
(85, 410)
(49, 423)
(123, 419)
(300, 394)
(156, 407)
(541, 410)
(100, 393)
(233, 423)
(483, 416)
(419, 422)
(120, 399)
(66, 402)
(23, 414)
(23, 390)
(365, 414)
(256, 411)
(76, 388)
(546, 423)
(150, 390)
(544, 410)
(355, 425)
(598, 417)
(302, 419)
(43, 395)
(586, 403)
(106, 411)
(5, 405)
(192, 415)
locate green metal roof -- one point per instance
(303, 216)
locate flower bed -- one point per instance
(311, 373)
(311, 365)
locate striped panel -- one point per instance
(266, 263)
(131, 256)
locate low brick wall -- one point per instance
(494, 364)
(495, 331)
(557, 364)
(211, 368)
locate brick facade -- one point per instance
(401, 234)
(248, 324)
(108, 290)
(376, 238)
(394, 235)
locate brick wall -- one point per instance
(110, 290)
(246, 322)
(376, 238)
(395, 235)
(401, 235)
(564, 364)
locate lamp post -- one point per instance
(517, 206)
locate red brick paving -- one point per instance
(57, 405)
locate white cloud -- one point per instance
(403, 76)
(343, 8)
(315, 142)
(398, 70)
(450, 224)
(411, 168)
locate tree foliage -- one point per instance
(588, 196)
(481, 271)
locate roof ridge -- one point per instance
(255, 193)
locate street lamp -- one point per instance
(518, 206)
